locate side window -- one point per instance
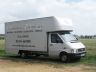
(55, 39)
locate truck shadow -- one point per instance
(32, 59)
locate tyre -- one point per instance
(64, 57)
(78, 59)
(23, 55)
(37, 55)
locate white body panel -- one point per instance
(76, 45)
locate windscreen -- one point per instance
(67, 36)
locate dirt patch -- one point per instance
(11, 66)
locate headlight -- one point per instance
(80, 50)
(72, 50)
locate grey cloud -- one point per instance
(82, 13)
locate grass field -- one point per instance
(90, 58)
(2, 51)
(86, 64)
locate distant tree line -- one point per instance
(87, 36)
(2, 36)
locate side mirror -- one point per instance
(77, 37)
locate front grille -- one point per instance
(81, 49)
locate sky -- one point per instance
(81, 12)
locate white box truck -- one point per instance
(43, 36)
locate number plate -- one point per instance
(82, 54)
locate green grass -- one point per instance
(2, 51)
(2, 44)
(90, 58)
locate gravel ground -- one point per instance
(13, 66)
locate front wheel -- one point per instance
(64, 58)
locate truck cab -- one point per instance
(65, 45)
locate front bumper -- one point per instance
(77, 55)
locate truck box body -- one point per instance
(42, 36)
(31, 34)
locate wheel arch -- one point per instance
(61, 53)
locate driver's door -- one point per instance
(55, 44)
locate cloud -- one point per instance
(82, 12)
(72, 1)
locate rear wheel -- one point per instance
(22, 54)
